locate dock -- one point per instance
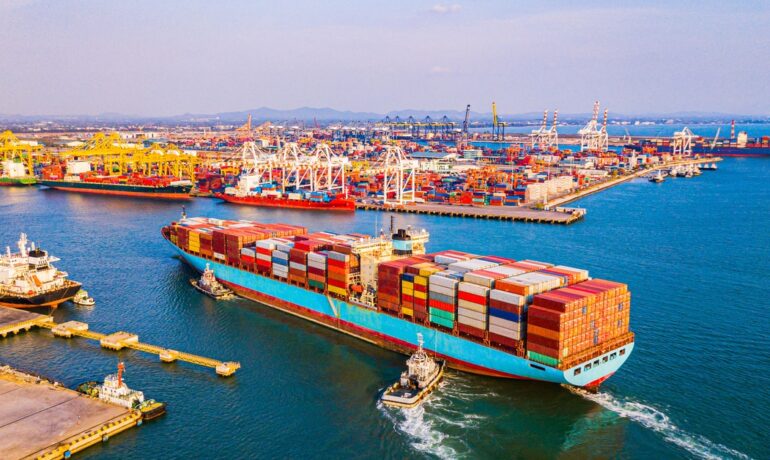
(509, 213)
(43, 420)
(14, 321)
(574, 196)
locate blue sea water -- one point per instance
(695, 253)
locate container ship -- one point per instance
(268, 195)
(78, 177)
(15, 174)
(740, 146)
(482, 314)
(28, 279)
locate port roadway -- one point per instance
(15, 321)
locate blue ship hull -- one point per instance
(401, 335)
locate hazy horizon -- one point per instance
(85, 57)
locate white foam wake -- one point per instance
(435, 427)
(657, 421)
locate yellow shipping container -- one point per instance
(407, 285)
(336, 290)
(420, 295)
(421, 280)
(407, 311)
(428, 271)
(408, 291)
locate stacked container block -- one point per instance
(442, 298)
(576, 320)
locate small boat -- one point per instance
(422, 376)
(657, 177)
(209, 285)
(115, 391)
(82, 298)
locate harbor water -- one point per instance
(694, 252)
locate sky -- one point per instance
(167, 57)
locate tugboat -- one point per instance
(421, 377)
(115, 391)
(28, 279)
(657, 177)
(82, 298)
(209, 285)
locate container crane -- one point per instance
(594, 138)
(498, 127)
(682, 142)
(466, 121)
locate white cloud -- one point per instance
(440, 8)
(437, 69)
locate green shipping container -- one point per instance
(547, 360)
(316, 284)
(435, 312)
(442, 322)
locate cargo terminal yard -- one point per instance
(426, 167)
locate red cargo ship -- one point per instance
(337, 203)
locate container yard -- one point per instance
(329, 169)
(387, 289)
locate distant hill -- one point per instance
(329, 115)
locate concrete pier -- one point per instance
(42, 420)
(511, 213)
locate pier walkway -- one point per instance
(14, 321)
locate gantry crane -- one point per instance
(498, 127)
(594, 138)
(13, 149)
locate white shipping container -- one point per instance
(471, 306)
(316, 264)
(264, 257)
(451, 292)
(515, 335)
(481, 280)
(471, 322)
(277, 254)
(507, 297)
(445, 260)
(473, 288)
(504, 323)
(506, 270)
(472, 314)
(438, 280)
(298, 266)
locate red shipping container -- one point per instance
(502, 340)
(477, 299)
(441, 305)
(470, 330)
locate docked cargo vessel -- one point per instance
(28, 279)
(78, 177)
(740, 146)
(287, 200)
(251, 191)
(14, 174)
(482, 314)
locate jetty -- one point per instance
(582, 193)
(14, 321)
(43, 420)
(510, 213)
